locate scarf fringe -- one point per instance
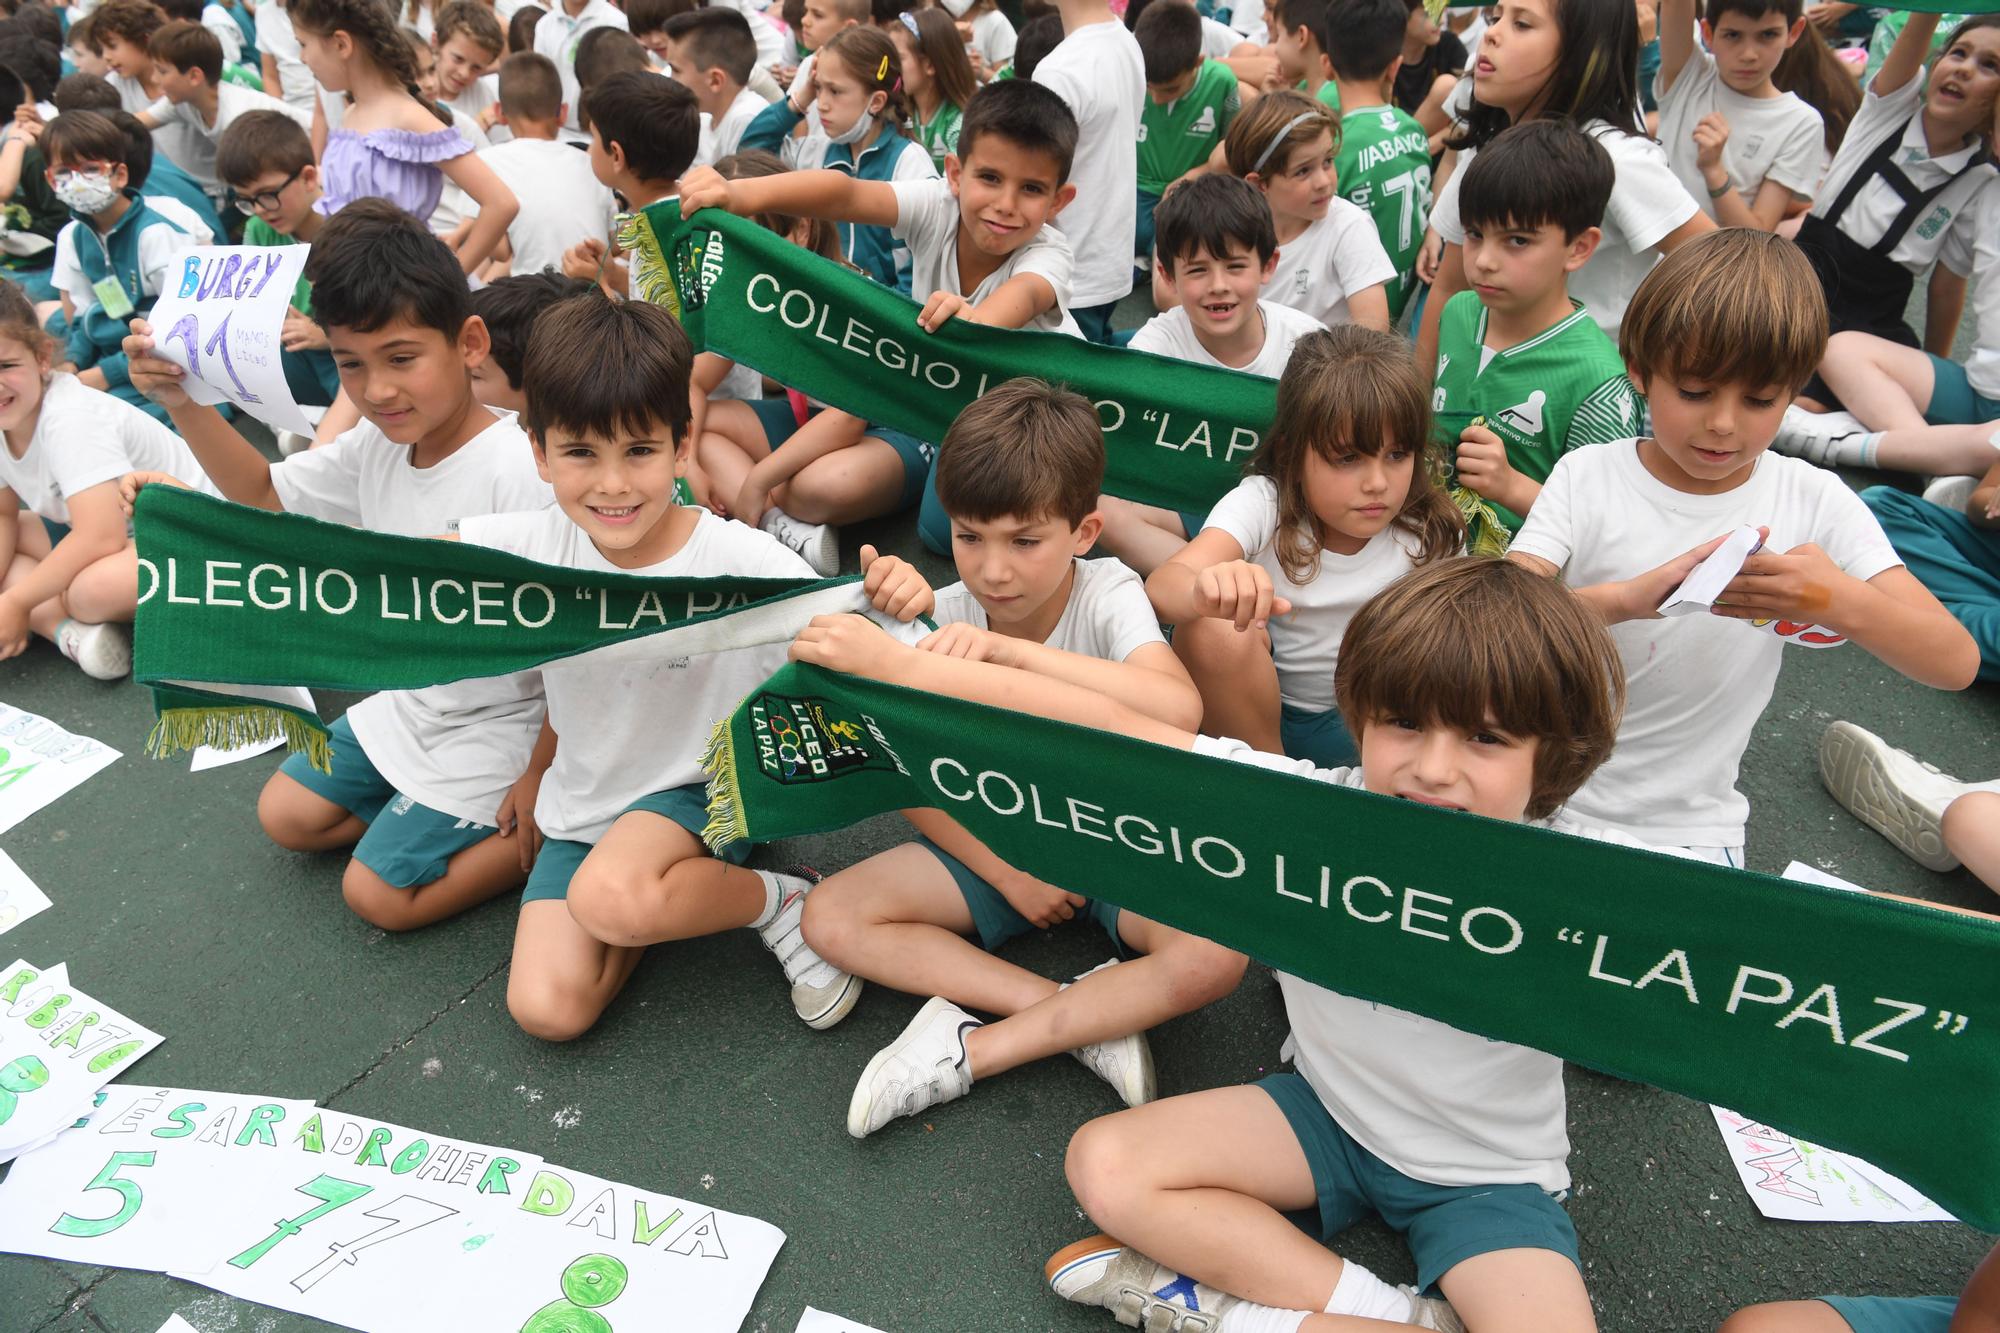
(727, 822)
(228, 726)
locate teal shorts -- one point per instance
(995, 918)
(57, 531)
(407, 844)
(780, 420)
(1444, 1225)
(1320, 737)
(556, 863)
(1894, 1314)
(1954, 402)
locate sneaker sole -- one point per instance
(842, 1005)
(1854, 765)
(112, 659)
(1070, 1256)
(860, 1103)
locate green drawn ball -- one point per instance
(594, 1280)
(24, 1075)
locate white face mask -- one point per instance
(857, 131)
(958, 7)
(86, 192)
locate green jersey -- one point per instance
(1177, 136)
(1562, 388)
(1383, 167)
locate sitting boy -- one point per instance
(509, 308)
(1019, 475)
(1190, 101)
(644, 132)
(420, 778)
(1523, 372)
(187, 61)
(713, 53)
(468, 43)
(1381, 157)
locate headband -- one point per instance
(1283, 134)
(910, 22)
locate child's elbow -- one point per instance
(1960, 666)
(1181, 705)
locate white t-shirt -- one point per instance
(1972, 250)
(631, 728)
(1171, 333)
(1097, 69)
(1218, 39)
(1436, 1103)
(217, 20)
(232, 101)
(458, 747)
(84, 438)
(562, 201)
(728, 131)
(474, 98)
(927, 218)
(993, 36)
(1108, 615)
(158, 248)
(1770, 138)
(1323, 265)
(276, 39)
(1647, 203)
(1306, 644)
(557, 36)
(174, 139)
(1695, 685)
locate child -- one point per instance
(562, 200)
(1098, 70)
(119, 269)
(468, 43)
(187, 61)
(509, 307)
(82, 49)
(1302, 43)
(1523, 373)
(285, 75)
(123, 30)
(215, 18)
(561, 31)
(1718, 339)
(1339, 505)
(1382, 159)
(1019, 475)
(1749, 154)
(856, 78)
(1331, 264)
(644, 131)
(1215, 246)
(391, 145)
(421, 778)
(1189, 104)
(985, 31)
(73, 572)
(712, 52)
(938, 78)
(1975, 1308)
(1458, 1140)
(1954, 550)
(1434, 60)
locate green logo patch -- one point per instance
(800, 740)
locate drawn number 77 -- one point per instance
(189, 332)
(332, 1194)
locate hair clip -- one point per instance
(882, 70)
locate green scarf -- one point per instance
(1864, 1024)
(1175, 434)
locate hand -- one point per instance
(894, 586)
(1800, 584)
(1239, 592)
(517, 816)
(973, 57)
(1429, 255)
(941, 307)
(28, 122)
(1827, 17)
(848, 643)
(751, 501)
(1640, 598)
(300, 334)
(157, 378)
(970, 643)
(132, 483)
(583, 259)
(783, 75)
(1043, 904)
(1261, 72)
(702, 188)
(13, 628)
(1483, 467)
(490, 116)
(798, 99)
(1710, 133)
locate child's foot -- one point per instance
(1138, 1291)
(821, 993)
(1126, 1063)
(818, 544)
(103, 651)
(1897, 795)
(923, 1067)
(1433, 1312)
(1829, 439)
(1951, 492)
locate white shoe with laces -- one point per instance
(1893, 792)
(822, 994)
(1815, 436)
(103, 651)
(818, 544)
(1140, 1292)
(923, 1067)
(1126, 1063)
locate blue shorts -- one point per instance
(995, 918)
(1320, 737)
(556, 863)
(1954, 402)
(407, 843)
(780, 422)
(1444, 1225)
(1894, 1314)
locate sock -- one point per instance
(774, 894)
(1863, 448)
(1251, 1318)
(1360, 1293)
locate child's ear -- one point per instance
(1708, 32)
(1088, 531)
(684, 451)
(1065, 195)
(1791, 38)
(475, 341)
(1582, 248)
(1638, 377)
(309, 176)
(953, 169)
(541, 456)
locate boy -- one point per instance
(1019, 476)
(509, 307)
(557, 36)
(1459, 1141)
(211, 16)
(1382, 157)
(1098, 70)
(124, 32)
(1301, 44)
(1189, 103)
(562, 200)
(1719, 338)
(648, 21)
(644, 131)
(712, 52)
(1523, 372)
(1750, 154)
(119, 270)
(187, 62)
(419, 776)
(468, 42)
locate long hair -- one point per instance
(372, 25)
(1596, 75)
(936, 39)
(866, 52)
(1815, 73)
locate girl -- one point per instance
(1331, 264)
(391, 144)
(73, 573)
(1554, 58)
(1822, 82)
(857, 78)
(1338, 505)
(985, 33)
(938, 78)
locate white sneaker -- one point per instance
(1433, 1312)
(818, 544)
(1891, 791)
(923, 1067)
(103, 651)
(1951, 492)
(291, 442)
(1815, 436)
(1140, 1292)
(821, 993)
(1126, 1063)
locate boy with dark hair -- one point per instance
(171, 191)
(215, 18)
(1019, 476)
(509, 307)
(644, 132)
(187, 62)
(1381, 157)
(1038, 38)
(1189, 103)
(1524, 374)
(712, 52)
(468, 42)
(1302, 44)
(421, 779)
(562, 200)
(122, 30)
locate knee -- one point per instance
(282, 820)
(1761, 1319)
(1102, 1169)
(1965, 817)
(606, 898)
(1217, 647)
(376, 901)
(545, 1008)
(1203, 972)
(829, 923)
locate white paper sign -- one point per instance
(819, 1321)
(39, 761)
(58, 1046)
(221, 318)
(1697, 593)
(1796, 1181)
(19, 898)
(176, 1324)
(1802, 873)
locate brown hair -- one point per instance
(471, 19)
(1347, 390)
(935, 38)
(530, 87)
(867, 53)
(1475, 643)
(597, 367)
(83, 136)
(83, 33)
(1815, 73)
(1259, 133)
(1736, 306)
(18, 322)
(1027, 449)
(133, 21)
(372, 26)
(261, 141)
(187, 46)
(854, 11)
(822, 237)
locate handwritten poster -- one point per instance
(221, 319)
(19, 897)
(39, 761)
(58, 1046)
(1796, 1181)
(819, 1321)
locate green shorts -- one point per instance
(556, 863)
(1954, 402)
(407, 844)
(780, 420)
(995, 918)
(57, 531)
(1894, 1314)
(1320, 737)
(1444, 1225)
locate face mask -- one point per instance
(958, 8)
(86, 192)
(856, 132)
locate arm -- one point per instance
(1906, 58)
(272, 83)
(318, 131)
(1012, 304)
(1944, 303)
(1893, 615)
(772, 126)
(1983, 508)
(1698, 225)
(1979, 1304)
(1676, 40)
(517, 808)
(1041, 903)
(1449, 282)
(497, 207)
(1765, 212)
(13, 149)
(832, 195)
(1432, 115)
(1150, 681)
(1369, 307)
(1484, 469)
(1210, 578)
(231, 462)
(829, 432)
(1630, 599)
(97, 529)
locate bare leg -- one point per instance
(484, 870)
(1885, 385)
(31, 547)
(301, 820)
(1972, 832)
(864, 480)
(1237, 679)
(1786, 1317)
(1143, 536)
(1519, 1291)
(106, 590)
(1940, 451)
(649, 880)
(562, 979)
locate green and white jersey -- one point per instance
(1177, 136)
(1563, 388)
(1383, 167)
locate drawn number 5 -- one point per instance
(332, 1194)
(107, 1179)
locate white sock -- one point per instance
(774, 894)
(1360, 1293)
(1251, 1318)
